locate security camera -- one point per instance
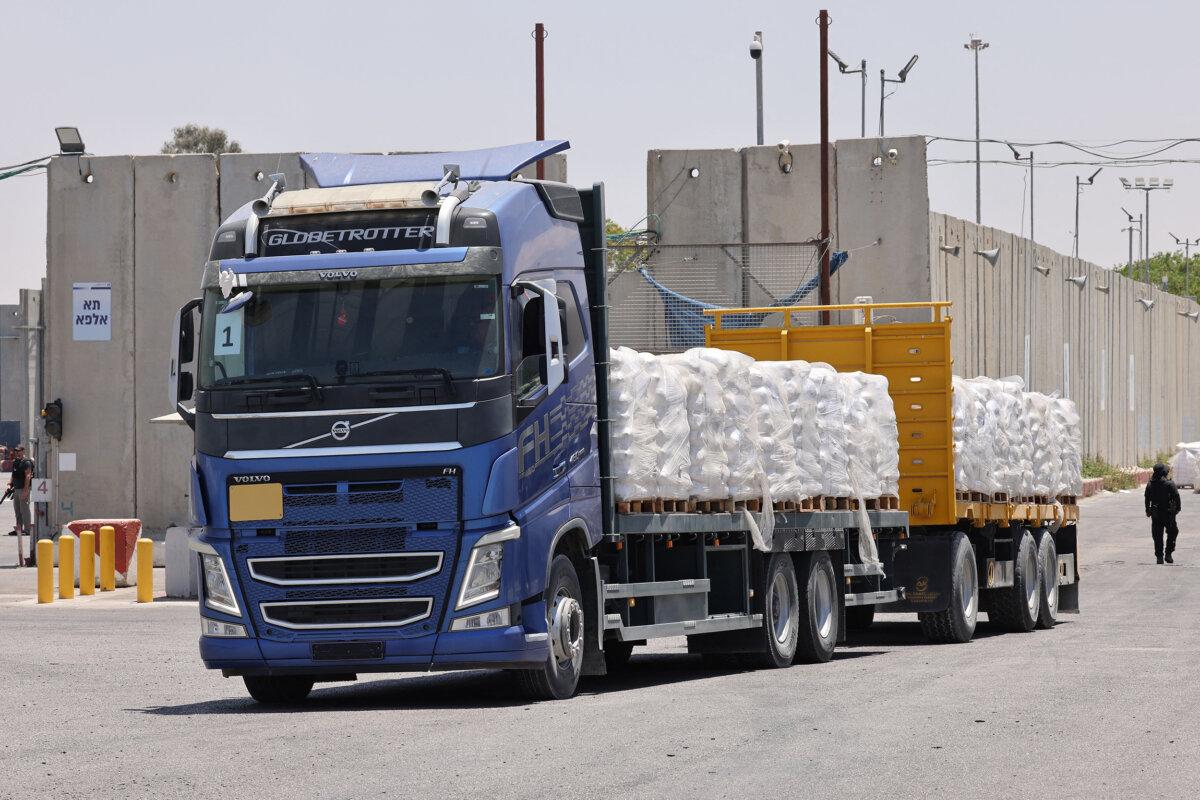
(783, 145)
(893, 154)
(756, 49)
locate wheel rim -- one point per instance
(782, 599)
(1031, 585)
(566, 631)
(969, 591)
(823, 605)
(1050, 578)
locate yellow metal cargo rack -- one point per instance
(913, 356)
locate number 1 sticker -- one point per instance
(228, 338)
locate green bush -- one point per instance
(1115, 478)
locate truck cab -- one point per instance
(391, 380)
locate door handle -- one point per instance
(559, 469)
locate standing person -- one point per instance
(21, 480)
(1162, 504)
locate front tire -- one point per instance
(558, 678)
(956, 623)
(1016, 608)
(819, 609)
(1047, 579)
(781, 615)
(278, 690)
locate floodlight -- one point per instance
(907, 67)
(70, 143)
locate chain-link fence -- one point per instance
(657, 293)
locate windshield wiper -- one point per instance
(291, 377)
(444, 374)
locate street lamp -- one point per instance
(1029, 283)
(1078, 188)
(70, 143)
(1187, 250)
(756, 51)
(1147, 185)
(844, 68)
(883, 81)
(1131, 229)
(975, 44)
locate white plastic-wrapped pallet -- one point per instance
(746, 479)
(1043, 449)
(672, 439)
(1071, 473)
(828, 395)
(705, 403)
(1014, 446)
(872, 440)
(975, 439)
(775, 439)
(633, 377)
(805, 438)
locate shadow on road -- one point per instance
(473, 689)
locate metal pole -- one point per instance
(539, 37)
(978, 193)
(1146, 235)
(1141, 237)
(1129, 266)
(825, 239)
(1076, 216)
(1031, 237)
(863, 102)
(882, 88)
(758, 77)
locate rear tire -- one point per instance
(956, 624)
(859, 618)
(1047, 579)
(1016, 608)
(278, 690)
(818, 609)
(781, 615)
(558, 678)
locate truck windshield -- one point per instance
(332, 333)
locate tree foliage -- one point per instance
(192, 138)
(1183, 277)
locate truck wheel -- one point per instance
(278, 690)
(1016, 607)
(859, 618)
(558, 678)
(956, 624)
(781, 615)
(819, 605)
(1048, 579)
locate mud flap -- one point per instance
(593, 608)
(1066, 542)
(923, 570)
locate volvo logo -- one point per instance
(340, 430)
(339, 275)
(251, 478)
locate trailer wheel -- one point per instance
(558, 678)
(819, 605)
(1047, 579)
(956, 624)
(859, 618)
(1016, 607)
(278, 690)
(781, 615)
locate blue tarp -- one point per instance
(685, 318)
(493, 164)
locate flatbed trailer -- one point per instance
(1015, 558)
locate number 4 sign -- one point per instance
(42, 490)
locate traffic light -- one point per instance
(53, 416)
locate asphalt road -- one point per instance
(104, 698)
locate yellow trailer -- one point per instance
(1003, 533)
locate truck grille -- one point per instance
(414, 499)
(325, 614)
(352, 568)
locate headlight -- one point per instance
(225, 630)
(497, 618)
(218, 594)
(482, 581)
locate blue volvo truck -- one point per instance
(396, 378)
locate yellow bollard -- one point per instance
(87, 562)
(66, 567)
(45, 568)
(145, 571)
(108, 559)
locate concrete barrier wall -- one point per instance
(1131, 371)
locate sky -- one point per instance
(622, 78)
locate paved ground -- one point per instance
(108, 699)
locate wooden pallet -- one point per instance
(1068, 499)
(784, 505)
(754, 504)
(655, 505)
(999, 497)
(809, 504)
(712, 506)
(886, 503)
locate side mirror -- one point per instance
(181, 384)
